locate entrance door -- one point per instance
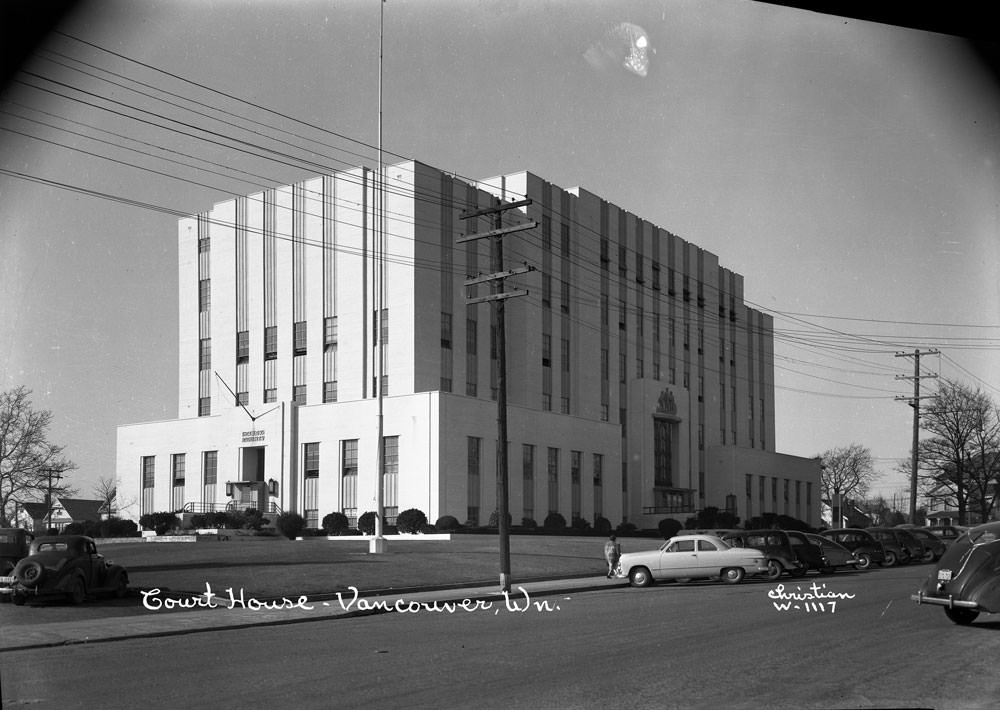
(253, 470)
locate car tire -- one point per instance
(962, 617)
(733, 575)
(890, 559)
(30, 574)
(121, 587)
(774, 570)
(640, 577)
(77, 591)
(864, 560)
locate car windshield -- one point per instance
(983, 537)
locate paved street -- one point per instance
(674, 645)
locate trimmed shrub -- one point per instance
(529, 523)
(253, 519)
(494, 521)
(410, 520)
(580, 524)
(335, 523)
(290, 525)
(602, 524)
(366, 523)
(160, 522)
(626, 529)
(447, 522)
(554, 521)
(428, 529)
(669, 527)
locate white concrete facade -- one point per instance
(640, 386)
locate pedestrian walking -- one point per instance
(612, 553)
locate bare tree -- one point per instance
(847, 471)
(106, 491)
(30, 466)
(962, 457)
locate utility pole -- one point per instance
(915, 403)
(497, 297)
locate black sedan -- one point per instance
(966, 580)
(66, 566)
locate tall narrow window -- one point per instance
(553, 476)
(473, 471)
(299, 394)
(210, 476)
(271, 342)
(205, 354)
(310, 474)
(528, 468)
(390, 479)
(575, 464)
(204, 295)
(243, 346)
(299, 338)
(177, 481)
(148, 482)
(349, 480)
(330, 331)
(598, 486)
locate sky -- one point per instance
(847, 169)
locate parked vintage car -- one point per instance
(934, 546)
(779, 555)
(14, 544)
(947, 533)
(64, 565)
(809, 555)
(866, 548)
(898, 547)
(966, 580)
(835, 555)
(691, 557)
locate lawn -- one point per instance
(273, 567)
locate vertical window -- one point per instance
(299, 338)
(178, 463)
(446, 331)
(598, 486)
(204, 295)
(299, 394)
(473, 465)
(662, 454)
(330, 391)
(390, 479)
(243, 398)
(528, 468)
(243, 346)
(310, 474)
(349, 480)
(204, 406)
(270, 395)
(205, 354)
(575, 463)
(210, 476)
(553, 476)
(271, 342)
(148, 482)
(329, 331)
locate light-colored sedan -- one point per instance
(692, 557)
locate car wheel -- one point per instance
(733, 575)
(890, 559)
(640, 577)
(30, 574)
(962, 617)
(121, 588)
(864, 560)
(774, 570)
(78, 592)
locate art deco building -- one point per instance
(639, 384)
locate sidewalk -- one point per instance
(229, 612)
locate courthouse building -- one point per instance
(639, 384)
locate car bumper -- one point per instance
(949, 601)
